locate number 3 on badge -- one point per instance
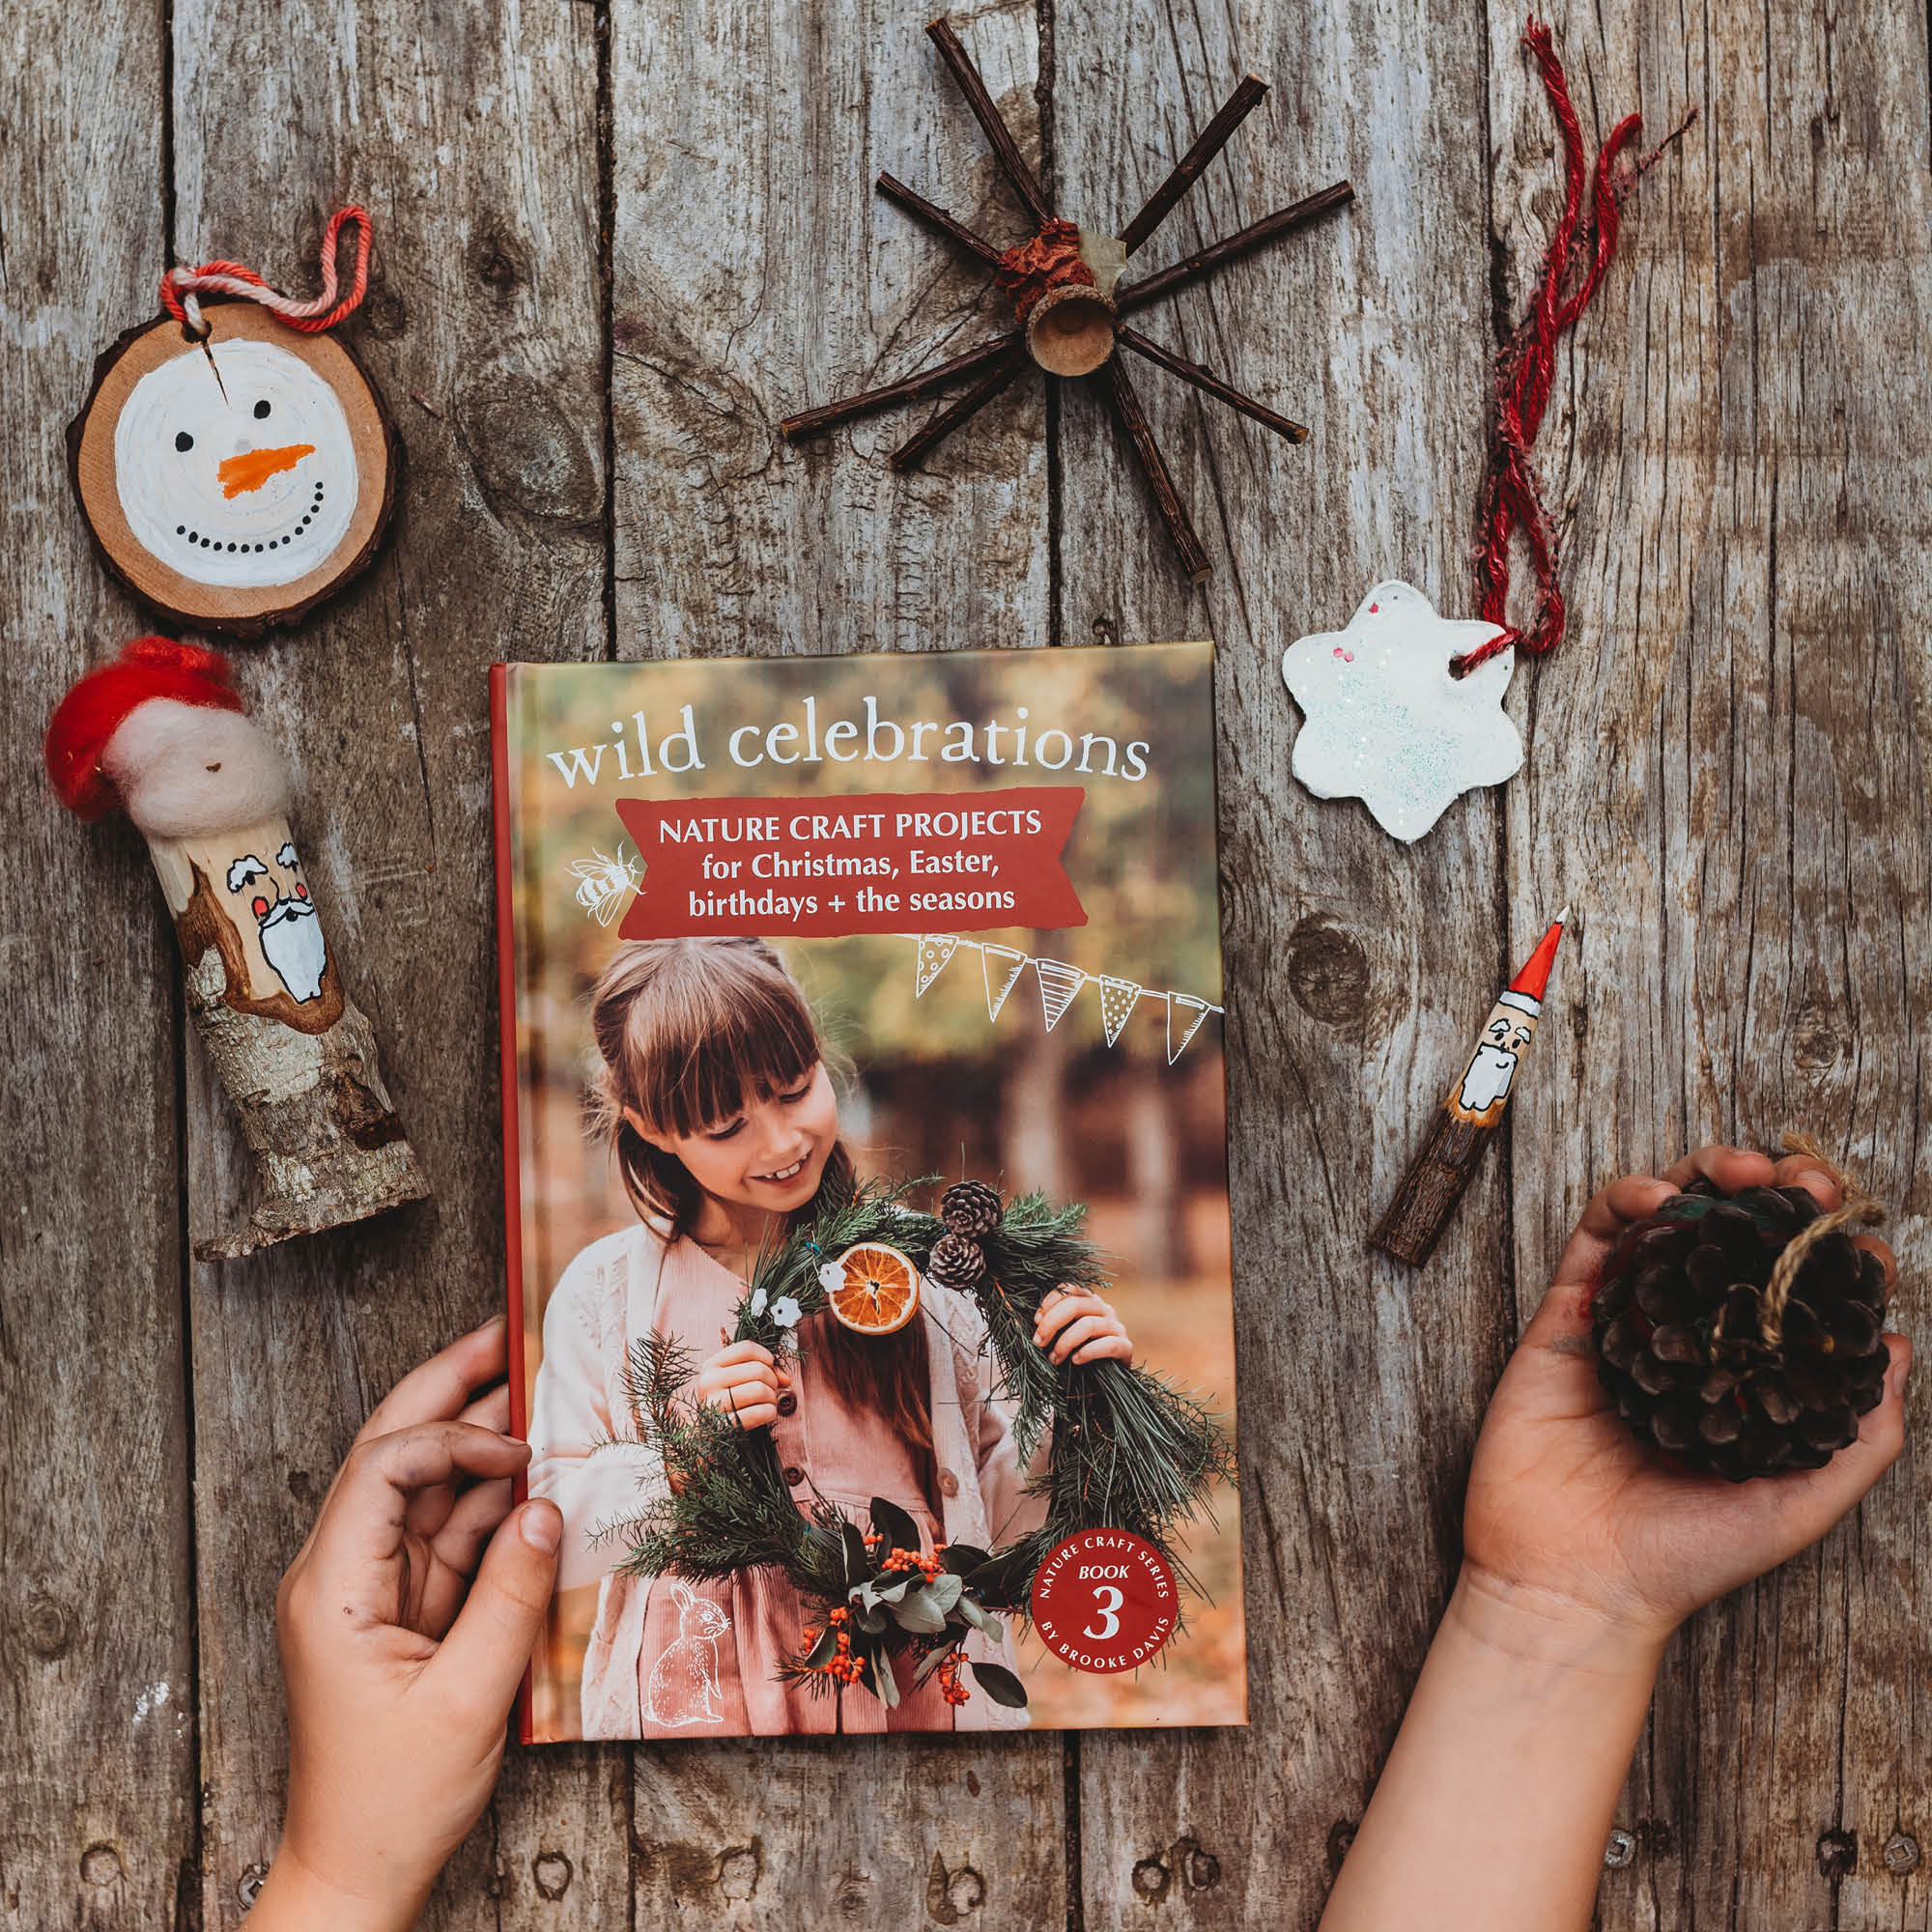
(1110, 1613)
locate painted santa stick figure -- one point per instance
(159, 733)
(1472, 1111)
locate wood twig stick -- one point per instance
(1210, 384)
(1026, 183)
(1218, 254)
(1190, 166)
(1133, 419)
(936, 218)
(941, 376)
(909, 454)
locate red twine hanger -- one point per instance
(1510, 499)
(1051, 259)
(181, 286)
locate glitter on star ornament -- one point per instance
(1385, 722)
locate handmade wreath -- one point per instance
(1128, 1451)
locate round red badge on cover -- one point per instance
(1104, 1601)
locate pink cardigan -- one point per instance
(715, 1650)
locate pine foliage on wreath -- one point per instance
(1128, 1450)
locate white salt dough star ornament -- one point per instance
(1385, 720)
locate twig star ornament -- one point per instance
(160, 734)
(1069, 305)
(1403, 708)
(234, 462)
(1388, 722)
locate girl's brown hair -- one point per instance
(690, 1032)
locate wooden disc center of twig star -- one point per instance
(1071, 332)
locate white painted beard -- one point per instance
(293, 944)
(1487, 1078)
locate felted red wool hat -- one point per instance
(87, 717)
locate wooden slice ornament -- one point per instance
(878, 1294)
(234, 462)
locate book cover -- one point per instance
(866, 1188)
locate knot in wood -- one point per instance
(1837, 1853)
(552, 1871)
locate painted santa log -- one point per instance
(160, 734)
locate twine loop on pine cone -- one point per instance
(1857, 1208)
(179, 286)
(1510, 498)
(1050, 260)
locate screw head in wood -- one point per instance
(1071, 330)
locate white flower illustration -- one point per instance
(758, 1301)
(831, 1276)
(785, 1311)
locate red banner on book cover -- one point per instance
(863, 861)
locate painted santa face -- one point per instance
(235, 464)
(271, 892)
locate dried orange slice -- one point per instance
(879, 1292)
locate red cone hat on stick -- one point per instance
(1527, 988)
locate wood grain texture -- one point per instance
(1725, 777)
(1727, 766)
(96, 1669)
(1355, 967)
(471, 134)
(757, 272)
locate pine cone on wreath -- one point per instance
(955, 1261)
(1704, 1362)
(970, 1208)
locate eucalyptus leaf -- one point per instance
(930, 1663)
(943, 1592)
(981, 1619)
(962, 1558)
(894, 1524)
(858, 1562)
(825, 1649)
(919, 1613)
(1000, 1684)
(874, 1623)
(884, 1683)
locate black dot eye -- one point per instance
(184, 442)
(262, 407)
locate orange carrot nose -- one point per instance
(254, 467)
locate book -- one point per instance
(861, 1052)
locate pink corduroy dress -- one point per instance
(672, 1659)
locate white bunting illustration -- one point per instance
(1012, 964)
(1058, 983)
(935, 949)
(1117, 1001)
(1195, 1010)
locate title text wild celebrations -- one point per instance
(877, 741)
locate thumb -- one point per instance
(489, 1645)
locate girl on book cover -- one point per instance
(714, 1095)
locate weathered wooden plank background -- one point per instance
(616, 242)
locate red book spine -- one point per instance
(506, 1024)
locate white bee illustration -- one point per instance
(605, 883)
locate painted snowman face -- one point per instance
(235, 464)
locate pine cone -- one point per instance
(955, 1261)
(970, 1208)
(1680, 1333)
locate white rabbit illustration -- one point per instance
(684, 1681)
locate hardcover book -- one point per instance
(866, 1189)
